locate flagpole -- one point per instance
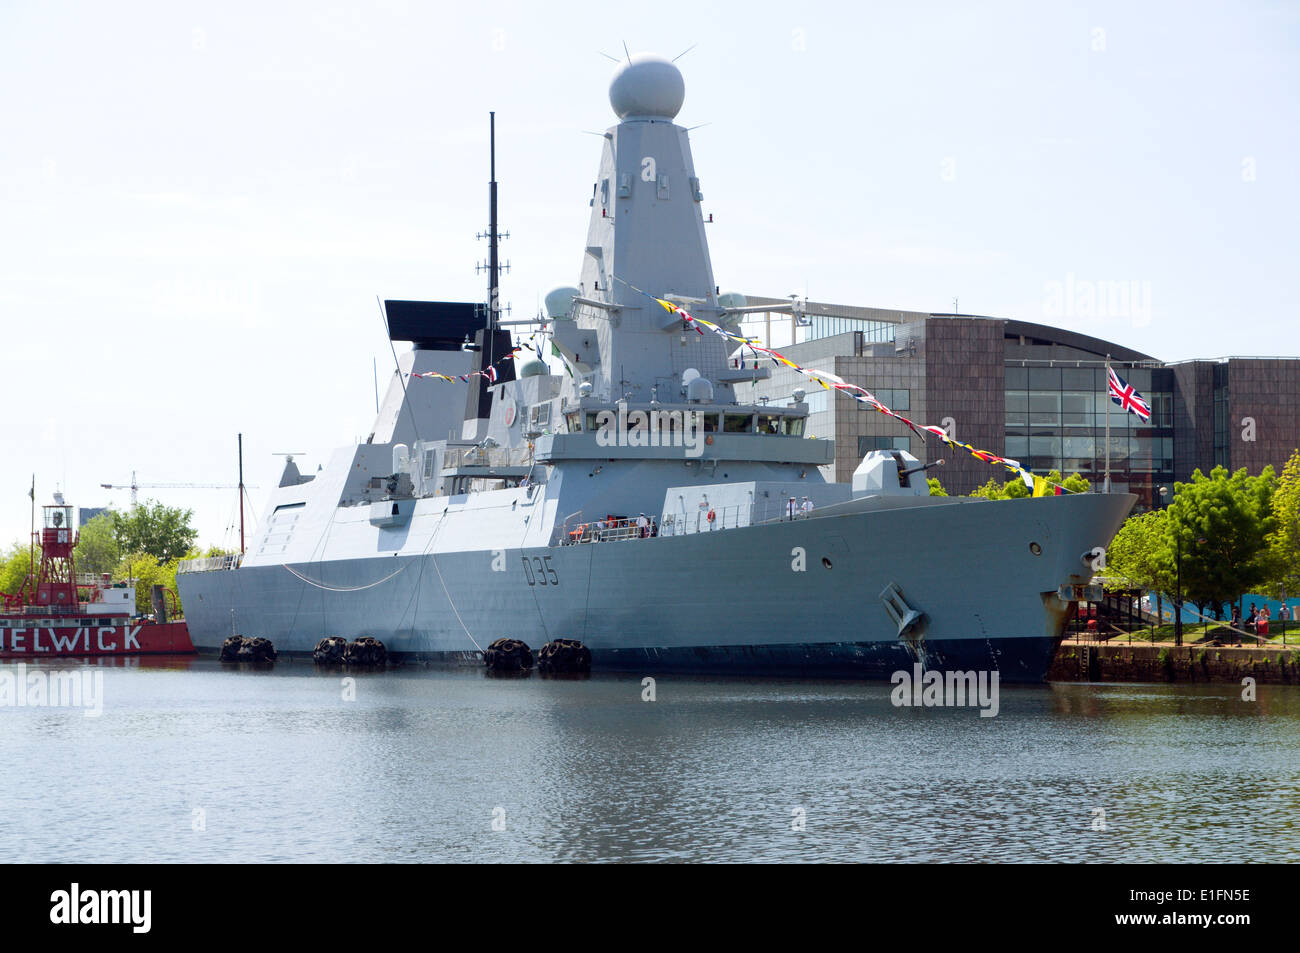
(1106, 485)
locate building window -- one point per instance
(1044, 409)
(1056, 419)
(1222, 457)
(894, 399)
(776, 329)
(1017, 409)
(867, 444)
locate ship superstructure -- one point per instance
(628, 498)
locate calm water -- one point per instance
(283, 769)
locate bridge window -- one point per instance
(737, 423)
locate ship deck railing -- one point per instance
(736, 516)
(576, 532)
(209, 564)
(51, 612)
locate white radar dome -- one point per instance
(700, 391)
(647, 86)
(559, 302)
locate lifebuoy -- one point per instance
(712, 516)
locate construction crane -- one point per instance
(135, 487)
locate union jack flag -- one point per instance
(1127, 397)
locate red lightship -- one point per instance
(48, 618)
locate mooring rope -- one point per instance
(434, 560)
(321, 585)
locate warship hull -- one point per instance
(652, 432)
(790, 598)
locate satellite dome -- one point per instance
(559, 302)
(700, 391)
(533, 368)
(732, 299)
(647, 86)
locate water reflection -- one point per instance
(288, 762)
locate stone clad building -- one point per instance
(1031, 392)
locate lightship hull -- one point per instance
(34, 638)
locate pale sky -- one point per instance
(201, 201)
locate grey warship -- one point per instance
(629, 499)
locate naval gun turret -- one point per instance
(891, 473)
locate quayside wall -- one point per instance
(1088, 661)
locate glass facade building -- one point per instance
(1056, 419)
(1030, 392)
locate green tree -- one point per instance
(1285, 563)
(1014, 488)
(1075, 483)
(14, 566)
(98, 550)
(163, 532)
(1223, 524)
(145, 572)
(1072, 484)
(990, 491)
(936, 488)
(1137, 557)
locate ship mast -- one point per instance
(491, 344)
(241, 494)
(494, 278)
